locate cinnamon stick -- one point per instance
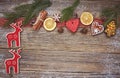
(40, 19)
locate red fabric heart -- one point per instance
(73, 24)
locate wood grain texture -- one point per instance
(54, 55)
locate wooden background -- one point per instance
(53, 55)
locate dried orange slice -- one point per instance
(86, 18)
(49, 24)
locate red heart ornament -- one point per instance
(97, 28)
(72, 24)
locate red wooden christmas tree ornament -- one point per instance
(72, 24)
(13, 62)
(14, 36)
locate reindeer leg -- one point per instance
(17, 42)
(9, 43)
(16, 68)
(7, 69)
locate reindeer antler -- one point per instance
(11, 51)
(13, 25)
(19, 23)
(19, 50)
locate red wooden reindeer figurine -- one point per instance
(13, 62)
(14, 36)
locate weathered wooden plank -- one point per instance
(40, 74)
(65, 42)
(69, 62)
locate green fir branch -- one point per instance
(111, 14)
(27, 10)
(12, 17)
(67, 13)
(35, 8)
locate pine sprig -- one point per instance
(111, 14)
(35, 8)
(28, 11)
(11, 17)
(18, 12)
(67, 13)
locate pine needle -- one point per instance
(67, 13)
